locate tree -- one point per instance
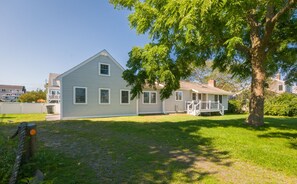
(224, 80)
(33, 96)
(249, 38)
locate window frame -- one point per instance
(150, 97)
(182, 95)
(221, 99)
(282, 87)
(99, 67)
(99, 99)
(121, 90)
(74, 95)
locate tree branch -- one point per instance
(243, 49)
(272, 19)
(283, 10)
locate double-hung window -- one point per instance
(149, 97)
(104, 69)
(104, 96)
(125, 96)
(219, 98)
(80, 95)
(178, 95)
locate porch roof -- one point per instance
(202, 88)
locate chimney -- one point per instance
(212, 83)
(278, 76)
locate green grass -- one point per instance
(163, 149)
(16, 118)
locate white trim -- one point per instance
(137, 106)
(163, 106)
(99, 69)
(182, 95)
(99, 116)
(101, 53)
(61, 100)
(99, 100)
(74, 87)
(150, 99)
(121, 96)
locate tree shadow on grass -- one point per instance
(4, 117)
(135, 152)
(150, 152)
(292, 137)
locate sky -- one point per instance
(38, 37)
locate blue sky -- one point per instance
(42, 36)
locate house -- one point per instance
(95, 88)
(11, 93)
(279, 86)
(53, 89)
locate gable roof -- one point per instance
(203, 88)
(101, 53)
(11, 87)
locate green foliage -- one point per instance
(32, 96)
(7, 158)
(186, 33)
(235, 106)
(281, 105)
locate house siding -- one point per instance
(171, 105)
(150, 108)
(88, 76)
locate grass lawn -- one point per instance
(161, 149)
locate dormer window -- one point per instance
(104, 69)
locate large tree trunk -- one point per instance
(256, 116)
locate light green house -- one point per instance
(95, 88)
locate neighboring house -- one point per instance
(53, 89)
(95, 88)
(11, 93)
(278, 86)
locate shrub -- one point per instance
(281, 105)
(7, 158)
(235, 106)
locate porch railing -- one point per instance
(197, 107)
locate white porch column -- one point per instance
(137, 111)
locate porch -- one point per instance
(196, 107)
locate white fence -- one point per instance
(26, 108)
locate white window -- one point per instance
(104, 96)
(125, 96)
(178, 95)
(104, 69)
(149, 97)
(80, 95)
(280, 88)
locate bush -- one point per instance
(235, 106)
(33, 96)
(281, 105)
(7, 158)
